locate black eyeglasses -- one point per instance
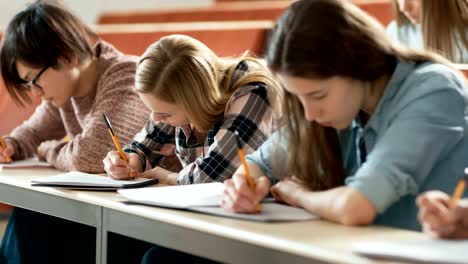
(30, 84)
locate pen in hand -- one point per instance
(4, 146)
(250, 180)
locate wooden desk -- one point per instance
(222, 239)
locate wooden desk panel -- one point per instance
(224, 38)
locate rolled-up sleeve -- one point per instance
(422, 134)
(270, 153)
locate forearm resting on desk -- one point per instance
(343, 205)
(164, 176)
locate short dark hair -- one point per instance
(40, 36)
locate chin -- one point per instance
(341, 126)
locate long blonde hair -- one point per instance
(181, 70)
(444, 25)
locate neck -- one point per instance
(375, 91)
(87, 80)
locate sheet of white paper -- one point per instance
(75, 178)
(426, 251)
(180, 196)
(271, 212)
(24, 164)
(206, 198)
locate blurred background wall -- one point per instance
(89, 10)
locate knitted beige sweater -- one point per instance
(81, 118)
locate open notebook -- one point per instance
(32, 163)
(85, 181)
(420, 251)
(206, 198)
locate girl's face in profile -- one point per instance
(411, 9)
(164, 112)
(333, 102)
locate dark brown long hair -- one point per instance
(39, 37)
(321, 39)
(444, 25)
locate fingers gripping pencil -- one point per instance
(116, 141)
(250, 180)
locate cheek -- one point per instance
(353, 105)
(182, 120)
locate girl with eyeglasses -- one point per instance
(49, 52)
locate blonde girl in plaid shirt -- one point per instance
(198, 101)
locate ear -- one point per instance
(65, 64)
(74, 61)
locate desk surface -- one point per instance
(318, 240)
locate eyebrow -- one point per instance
(314, 92)
(162, 113)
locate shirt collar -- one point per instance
(402, 70)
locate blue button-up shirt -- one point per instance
(416, 140)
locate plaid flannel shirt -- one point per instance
(213, 157)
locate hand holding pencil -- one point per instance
(244, 192)
(442, 215)
(117, 164)
(6, 151)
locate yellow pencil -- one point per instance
(459, 189)
(4, 146)
(246, 167)
(116, 141)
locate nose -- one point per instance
(155, 117)
(37, 91)
(311, 112)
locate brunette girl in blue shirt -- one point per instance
(367, 125)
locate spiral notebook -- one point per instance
(206, 198)
(85, 181)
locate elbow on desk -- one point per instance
(357, 210)
(356, 219)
